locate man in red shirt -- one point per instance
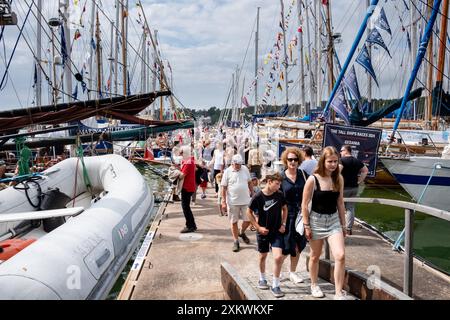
(188, 171)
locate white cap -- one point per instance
(237, 159)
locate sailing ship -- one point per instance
(345, 104)
(82, 215)
(79, 61)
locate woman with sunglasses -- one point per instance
(294, 180)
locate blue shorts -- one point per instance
(272, 239)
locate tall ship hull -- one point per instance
(426, 179)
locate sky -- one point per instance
(205, 40)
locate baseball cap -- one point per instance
(237, 159)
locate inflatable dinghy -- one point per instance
(74, 229)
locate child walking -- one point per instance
(267, 212)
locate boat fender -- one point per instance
(53, 199)
(11, 247)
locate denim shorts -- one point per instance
(324, 225)
(272, 240)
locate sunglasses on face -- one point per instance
(292, 159)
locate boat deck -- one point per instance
(188, 266)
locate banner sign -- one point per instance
(283, 145)
(364, 142)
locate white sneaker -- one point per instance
(316, 292)
(295, 278)
(342, 296)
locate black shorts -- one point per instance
(271, 240)
(256, 170)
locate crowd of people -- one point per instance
(306, 186)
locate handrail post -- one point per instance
(408, 264)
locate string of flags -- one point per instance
(364, 60)
(374, 37)
(275, 55)
(76, 22)
(339, 104)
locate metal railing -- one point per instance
(407, 147)
(410, 208)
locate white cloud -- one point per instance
(204, 40)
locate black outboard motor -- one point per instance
(53, 199)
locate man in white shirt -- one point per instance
(236, 194)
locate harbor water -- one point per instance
(431, 235)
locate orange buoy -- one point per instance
(9, 248)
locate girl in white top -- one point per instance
(218, 162)
(218, 157)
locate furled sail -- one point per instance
(358, 118)
(122, 108)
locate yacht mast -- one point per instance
(312, 103)
(441, 55)
(369, 77)
(55, 79)
(124, 45)
(116, 45)
(443, 32)
(91, 52)
(149, 70)
(285, 62)
(144, 62)
(428, 112)
(240, 114)
(413, 37)
(318, 52)
(154, 74)
(161, 82)
(99, 58)
(39, 54)
(111, 60)
(303, 110)
(256, 61)
(330, 50)
(67, 68)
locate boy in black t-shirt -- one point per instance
(267, 212)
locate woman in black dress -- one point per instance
(294, 180)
